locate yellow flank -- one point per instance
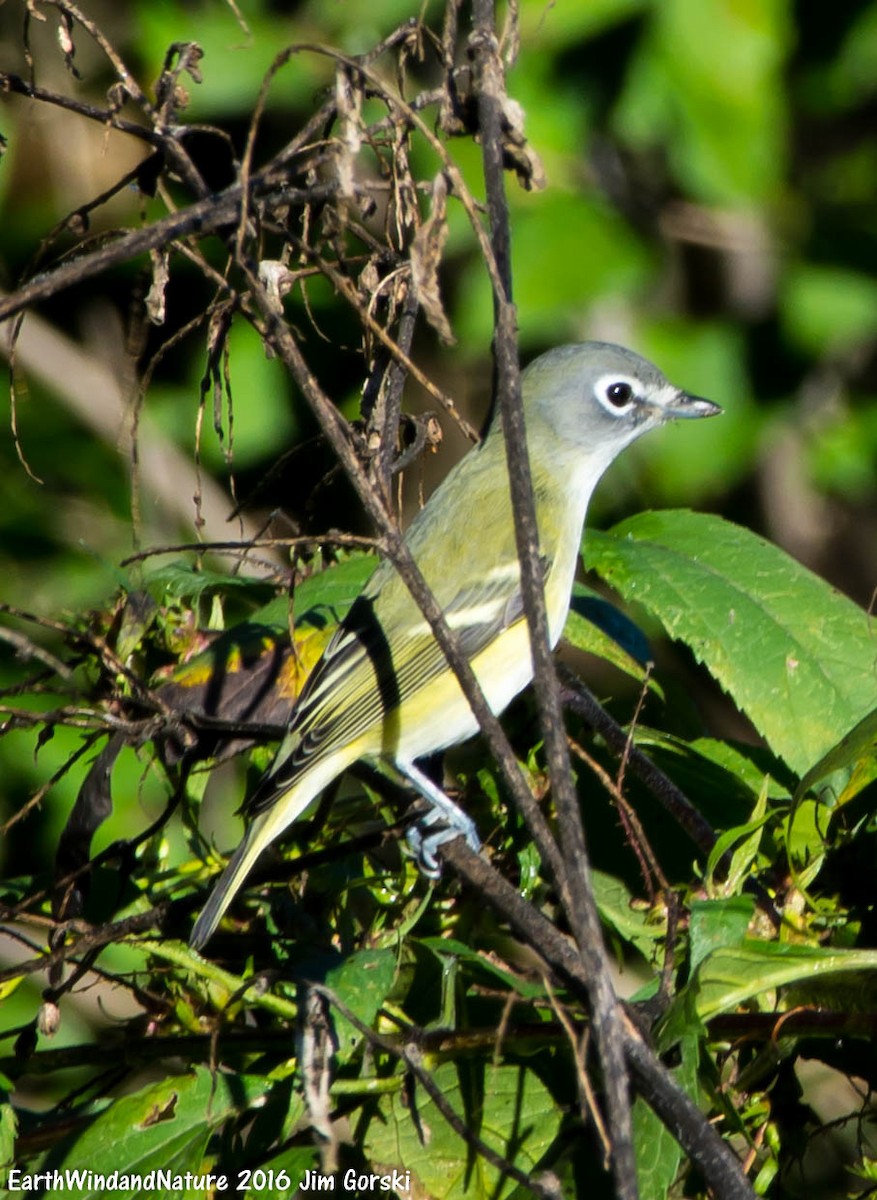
(442, 700)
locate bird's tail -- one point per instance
(260, 832)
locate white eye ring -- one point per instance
(616, 393)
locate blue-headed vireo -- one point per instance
(382, 689)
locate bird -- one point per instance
(382, 690)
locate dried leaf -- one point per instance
(155, 297)
(348, 99)
(65, 41)
(49, 1018)
(277, 279)
(518, 154)
(406, 209)
(426, 257)
(316, 1047)
(94, 803)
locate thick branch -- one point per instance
(573, 877)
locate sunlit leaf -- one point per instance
(795, 655)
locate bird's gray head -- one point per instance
(599, 397)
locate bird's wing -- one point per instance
(365, 673)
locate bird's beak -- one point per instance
(686, 407)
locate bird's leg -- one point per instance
(422, 838)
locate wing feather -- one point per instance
(365, 675)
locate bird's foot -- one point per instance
(432, 830)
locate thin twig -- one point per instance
(10, 82)
(25, 648)
(580, 700)
(345, 540)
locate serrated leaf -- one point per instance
(795, 655)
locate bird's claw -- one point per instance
(432, 830)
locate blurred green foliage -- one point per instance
(711, 176)
(710, 184)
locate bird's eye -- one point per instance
(619, 394)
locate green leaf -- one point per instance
(730, 977)
(718, 924)
(8, 986)
(327, 594)
(707, 81)
(847, 767)
(362, 983)
(507, 1106)
(180, 581)
(658, 1153)
(723, 780)
(747, 840)
(794, 654)
(163, 1127)
(634, 925)
(598, 627)
(805, 836)
(8, 1128)
(280, 1176)
(480, 965)
(275, 1123)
